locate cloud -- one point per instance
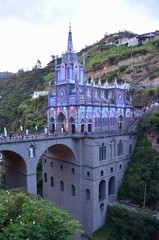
(147, 8)
(37, 29)
(38, 11)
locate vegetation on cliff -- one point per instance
(140, 183)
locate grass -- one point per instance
(103, 233)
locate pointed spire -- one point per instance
(106, 82)
(70, 43)
(115, 82)
(99, 82)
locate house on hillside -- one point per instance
(143, 38)
(37, 94)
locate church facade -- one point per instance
(79, 106)
(83, 176)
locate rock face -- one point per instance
(141, 69)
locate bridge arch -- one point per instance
(61, 152)
(22, 158)
(15, 169)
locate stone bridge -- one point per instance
(21, 158)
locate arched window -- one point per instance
(45, 177)
(73, 171)
(88, 174)
(87, 194)
(111, 151)
(120, 148)
(90, 125)
(101, 173)
(73, 190)
(130, 149)
(52, 181)
(61, 185)
(105, 121)
(51, 164)
(102, 190)
(82, 125)
(102, 152)
(111, 185)
(111, 170)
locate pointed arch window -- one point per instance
(101, 173)
(87, 194)
(90, 125)
(111, 184)
(52, 181)
(120, 148)
(82, 125)
(97, 120)
(45, 177)
(62, 186)
(112, 150)
(102, 152)
(73, 190)
(130, 149)
(102, 190)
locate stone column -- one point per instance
(32, 183)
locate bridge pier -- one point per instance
(32, 183)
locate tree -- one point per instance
(23, 216)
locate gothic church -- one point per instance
(83, 176)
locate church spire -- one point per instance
(70, 44)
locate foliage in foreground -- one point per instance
(28, 217)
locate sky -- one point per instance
(36, 29)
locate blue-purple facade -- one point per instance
(78, 106)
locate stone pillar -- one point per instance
(32, 183)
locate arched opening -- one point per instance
(87, 194)
(120, 148)
(102, 190)
(130, 149)
(61, 123)
(14, 169)
(61, 186)
(52, 181)
(72, 125)
(90, 125)
(120, 122)
(111, 186)
(60, 175)
(82, 125)
(52, 125)
(73, 190)
(45, 177)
